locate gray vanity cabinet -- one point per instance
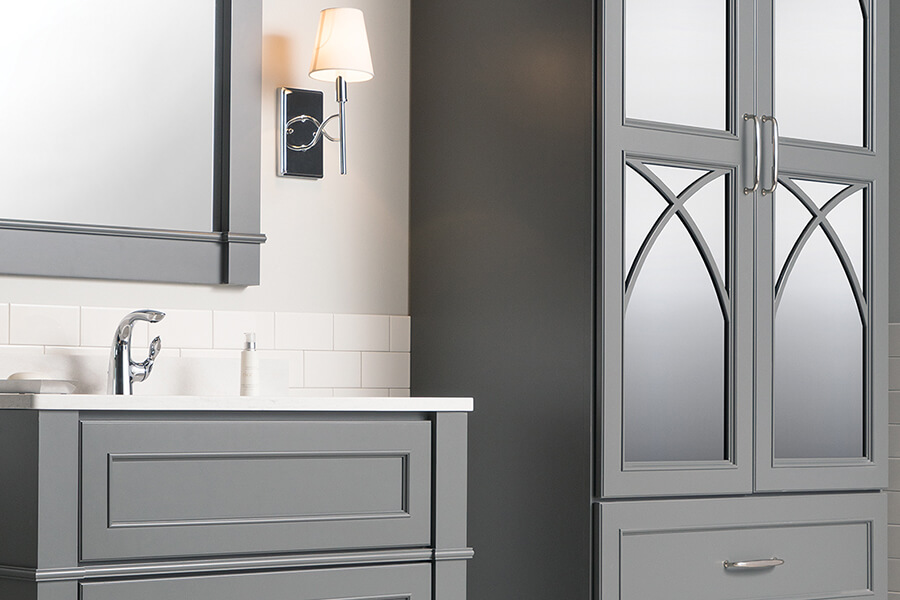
(405, 582)
(210, 505)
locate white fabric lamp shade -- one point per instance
(342, 47)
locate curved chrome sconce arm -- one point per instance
(320, 131)
(309, 105)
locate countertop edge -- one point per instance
(233, 403)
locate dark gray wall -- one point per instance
(894, 313)
(501, 274)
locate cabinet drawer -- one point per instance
(152, 489)
(402, 582)
(832, 547)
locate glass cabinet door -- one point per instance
(821, 241)
(675, 291)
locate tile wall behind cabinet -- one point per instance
(894, 485)
(301, 354)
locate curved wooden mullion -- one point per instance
(706, 255)
(818, 218)
(655, 230)
(676, 207)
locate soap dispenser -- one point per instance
(249, 366)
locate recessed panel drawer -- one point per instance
(402, 582)
(152, 489)
(795, 547)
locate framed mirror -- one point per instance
(131, 140)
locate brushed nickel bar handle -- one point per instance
(757, 162)
(775, 144)
(765, 563)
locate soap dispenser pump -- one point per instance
(249, 366)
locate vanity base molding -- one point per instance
(233, 505)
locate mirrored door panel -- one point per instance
(677, 314)
(676, 62)
(820, 318)
(820, 70)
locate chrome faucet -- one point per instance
(123, 371)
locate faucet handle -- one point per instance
(141, 370)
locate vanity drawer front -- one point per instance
(168, 488)
(401, 582)
(831, 547)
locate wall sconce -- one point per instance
(341, 55)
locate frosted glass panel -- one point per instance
(819, 70)
(847, 219)
(675, 384)
(819, 333)
(676, 55)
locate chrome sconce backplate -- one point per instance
(297, 132)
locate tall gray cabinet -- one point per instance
(655, 250)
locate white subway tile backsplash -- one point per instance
(362, 332)
(15, 359)
(331, 369)
(44, 325)
(98, 326)
(385, 369)
(301, 354)
(229, 327)
(87, 367)
(192, 376)
(304, 331)
(400, 331)
(311, 392)
(293, 361)
(184, 329)
(360, 393)
(4, 323)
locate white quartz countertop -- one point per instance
(232, 403)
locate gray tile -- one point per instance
(894, 404)
(894, 373)
(894, 339)
(894, 541)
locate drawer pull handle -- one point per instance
(765, 563)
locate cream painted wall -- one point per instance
(339, 245)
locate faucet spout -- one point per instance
(123, 371)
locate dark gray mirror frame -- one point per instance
(227, 255)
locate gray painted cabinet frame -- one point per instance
(42, 542)
(229, 254)
(866, 167)
(625, 144)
